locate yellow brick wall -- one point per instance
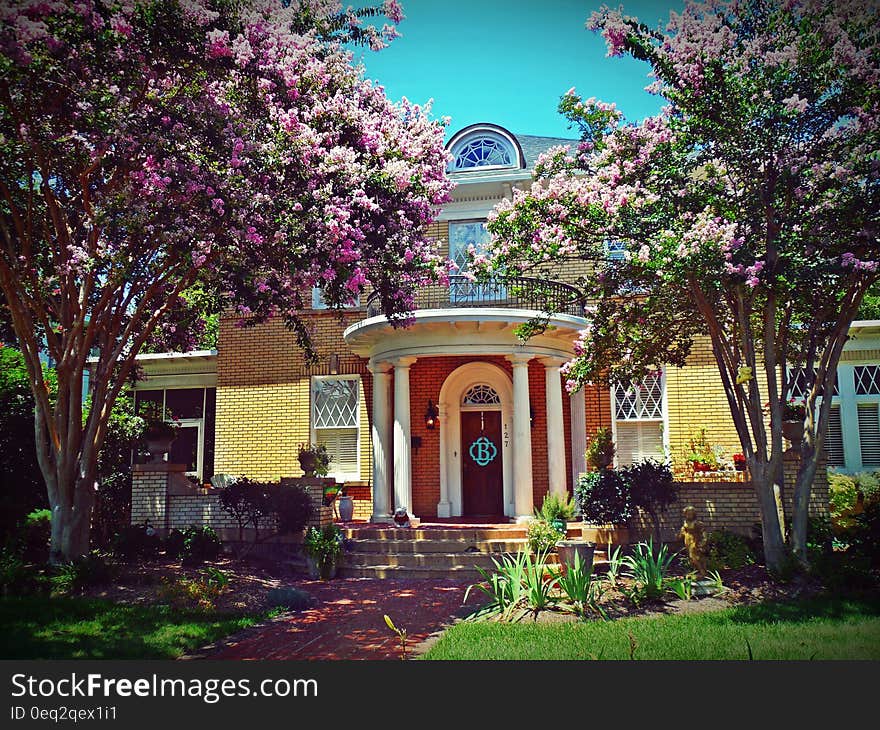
(264, 395)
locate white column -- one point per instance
(444, 507)
(381, 441)
(402, 436)
(578, 435)
(522, 439)
(555, 427)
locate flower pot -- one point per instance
(567, 549)
(604, 534)
(793, 431)
(158, 445)
(346, 508)
(315, 572)
(739, 465)
(308, 462)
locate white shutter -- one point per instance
(342, 445)
(639, 440)
(869, 434)
(834, 438)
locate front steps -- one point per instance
(432, 552)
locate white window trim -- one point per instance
(663, 420)
(199, 422)
(338, 475)
(318, 300)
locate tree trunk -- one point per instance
(801, 517)
(71, 520)
(774, 544)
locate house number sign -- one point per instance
(483, 451)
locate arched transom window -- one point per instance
(481, 395)
(482, 149)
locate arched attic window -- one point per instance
(483, 148)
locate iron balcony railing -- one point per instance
(523, 292)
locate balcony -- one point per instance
(523, 292)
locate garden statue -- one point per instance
(401, 517)
(693, 533)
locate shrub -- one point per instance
(247, 501)
(15, 578)
(577, 585)
(603, 497)
(193, 544)
(651, 487)
(34, 535)
(843, 495)
(554, 508)
(505, 586)
(95, 569)
(199, 593)
(293, 506)
(726, 549)
(865, 536)
(136, 542)
(542, 536)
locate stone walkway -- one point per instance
(348, 623)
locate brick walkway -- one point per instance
(348, 623)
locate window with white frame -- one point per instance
(463, 235)
(639, 416)
(834, 451)
(867, 396)
(319, 303)
(482, 149)
(336, 423)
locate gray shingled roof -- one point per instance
(533, 146)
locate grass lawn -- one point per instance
(818, 628)
(37, 627)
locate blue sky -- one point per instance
(508, 62)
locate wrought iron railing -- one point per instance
(522, 292)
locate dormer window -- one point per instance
(482, 147)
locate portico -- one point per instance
(506, 433)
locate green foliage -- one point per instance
(293, 506)
(194, 544)
(95, 569)
(616, 565)
(136, 542)
(865, 537)
(32, 538)
(504, 587)
(538, 584)
(603, 497)
(726, 549)
(542, 536)
(318, 454)
(247, 501)
(648, 568)
(21, 484)
(577, 585)
(325, 547)
(15, 576)
(600, 450)
(682, 587)
(700, 451)
(195, 594)
(651, 486)
(849, 495)
(555, 508)
(870, 307)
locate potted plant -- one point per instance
(314, 459)
(739, 462)
(557, 511)
(345, 505)
(160, 429)
(700, 454)
(323, 550)
(793, 415)
(600, 450)
(605, 503)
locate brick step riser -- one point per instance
(388, 547)
(428, 560)
(514, 532)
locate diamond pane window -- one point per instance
(867, 379)
(797, 386)
(335, 403)
(481, 395)
(485, 150)
(642, 402)
(463, 235)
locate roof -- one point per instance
(533, 146)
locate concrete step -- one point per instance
(422, 560)
(437, 546)
(458, 534)
(462, 573)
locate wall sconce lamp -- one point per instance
(334, 364)
(432, 416)
(531, 416)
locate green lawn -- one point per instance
(820, 628)
(38, 627)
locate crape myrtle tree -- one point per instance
(747, 211)
(150, 147)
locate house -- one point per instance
(454, 417)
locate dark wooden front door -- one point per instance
(482, 475)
